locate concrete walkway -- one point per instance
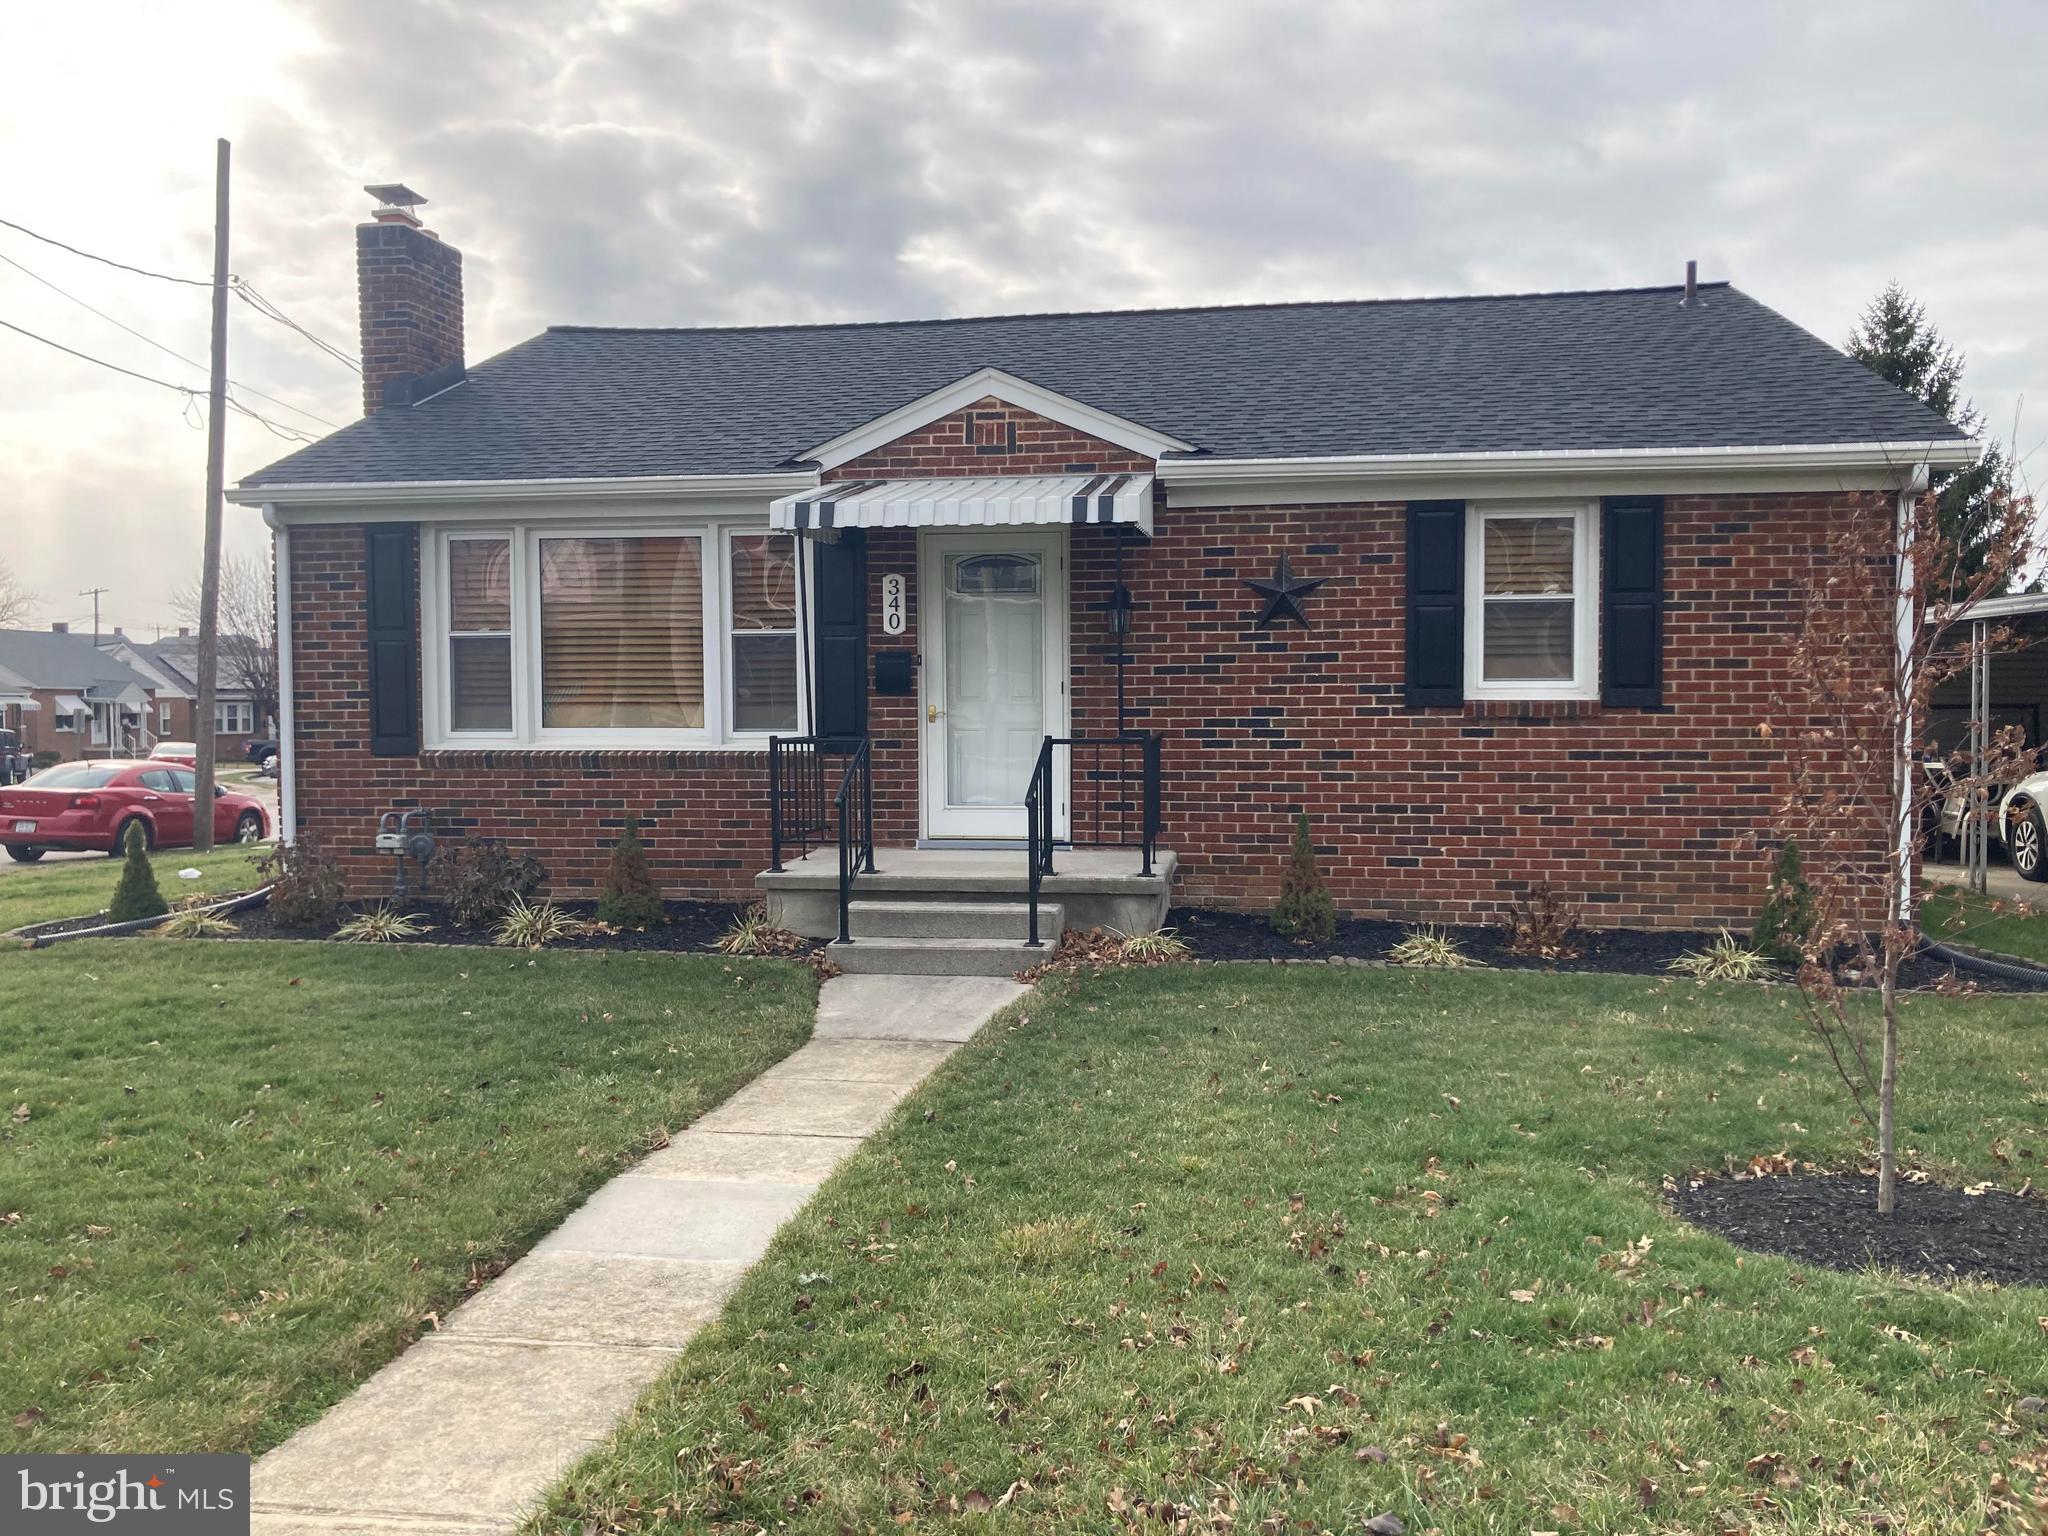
(463, 1434)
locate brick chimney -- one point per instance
(409, 288)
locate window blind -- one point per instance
(622, 633)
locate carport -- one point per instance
(2006, 686)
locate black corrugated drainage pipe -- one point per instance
(1964, 960)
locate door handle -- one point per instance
(932, 713)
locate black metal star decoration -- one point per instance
(1283, 594)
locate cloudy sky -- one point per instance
(685, 163)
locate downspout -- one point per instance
(287, 746)
(1905, 634)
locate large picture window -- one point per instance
(1530, 616)
(627, 637)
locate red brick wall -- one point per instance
(1651, 818)
(991, 437)
(703, 814)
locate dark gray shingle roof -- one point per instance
(1630, 368)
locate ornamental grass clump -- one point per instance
(533, 927)
(1304, 912)
(753, 934)
(1726, 959)
(1429, 949)
(380, 925)
(137, 896)
(630, 898)
(196, 923)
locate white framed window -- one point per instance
(622, 635)
(163, 720)
(61, 721)
(1531, 601)
(231, 717)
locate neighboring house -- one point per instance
(71, 700)
(1549, 549)
(174, 661)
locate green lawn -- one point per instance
(41, 893)
(1297, 1246)
(243, 1175)
(1950, 915)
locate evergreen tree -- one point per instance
(1895, 341)
(1304, 910)
(137, 895)
(630, 898)
(1787, 916)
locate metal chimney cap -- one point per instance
(395, 194)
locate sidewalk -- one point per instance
(463, 1434)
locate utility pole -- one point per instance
(209, 571)
(95, 594)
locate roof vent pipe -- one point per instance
(1692, 281)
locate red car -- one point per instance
(90, 805)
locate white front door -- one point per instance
(993, 618)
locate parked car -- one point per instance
(260, 752)
(2023, 826)
(186, 752)
(91, 805)
(14, 764)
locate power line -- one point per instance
(192, 396)
(196, 282)
(178, 356)
(270, 311)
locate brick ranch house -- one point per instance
(1496, 590)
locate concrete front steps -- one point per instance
(963, 912)
(908, 937)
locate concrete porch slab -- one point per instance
(720, 1220)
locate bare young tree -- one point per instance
(1882, 625)
(248, 631)
(15, 599)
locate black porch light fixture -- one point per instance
(1116, 610)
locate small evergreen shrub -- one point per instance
(483, 879)
(305, 885)
(1304, 911)
(137, 895)
(630, 898)
(1787, 917)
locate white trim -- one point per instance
(1011, 390)
(726, 533)
(1558, 472)
(933, 544)
(1585, 680)
(412, 493)
(528, 734)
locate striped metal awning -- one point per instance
(995, 502)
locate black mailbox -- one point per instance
(893, 672)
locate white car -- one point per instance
(2023, 826)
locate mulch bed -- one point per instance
(1214, 935)
(1831, 1220)
(692, 926)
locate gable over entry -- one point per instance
(995, 502)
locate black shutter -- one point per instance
(1436, 603)
(1632, 601)
(392, 628)
(840, 693)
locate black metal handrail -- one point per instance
(854, 809)
(1092, 830)
(796, 796)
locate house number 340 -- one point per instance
(893, 617)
